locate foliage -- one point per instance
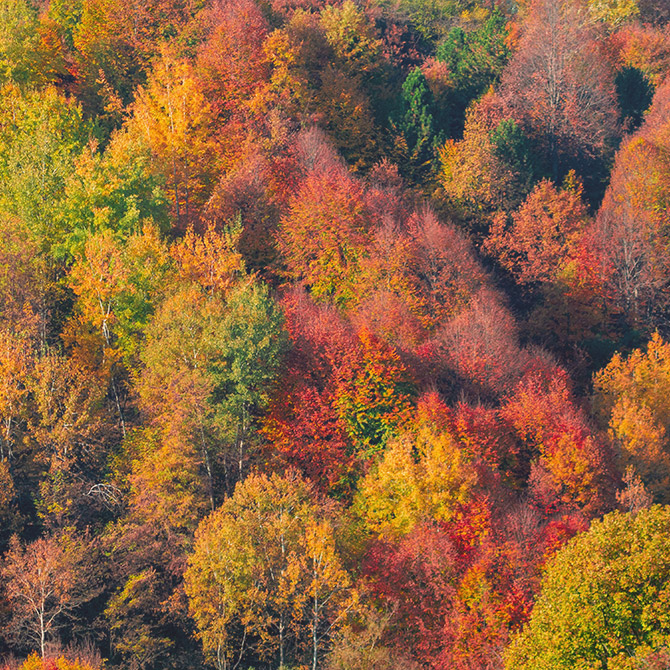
(630, 397)
(602, 597)
(551, 101)
(337, 274)
(422, 475)
(628, 231)
(41, 581)
(265, 563)
(43, 133)
(475, 60)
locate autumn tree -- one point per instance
(42, 583)
(569, 461)
(210, 260)
(343, 395)
(159, 485)
(613, 12)
(544, 234)
(643, 47)
(69, 424)
(254, 193)
(629, 229)
(302, 424)
(480, 343)
(422, 475)
(117, 284)
(373, 393)
(560, 88)
(323, 237)
(27, 56)
(212, 353)
(44, 133)
(15, 366)
(361, 644)
(630, 398)
(543, 246)
(424, 263)
(24, 286)
(265, 579)
(431, 19)
(352, 83)
(491, 168)
(113, 190)
(173, 116)
(78, 661)
(113, 46)
(231, 61)
(602, 598)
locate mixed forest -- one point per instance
(335, 335)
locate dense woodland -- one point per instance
(335, 335)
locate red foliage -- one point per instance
(481, 344)
(559, 85)
(454, 603)
(572, 471)
(342, 395)
(325, 233)
(302, 423)
(628, 235)
(544, 235)
(231, 61)
(419, 578)
(248, 192)
(485, 435)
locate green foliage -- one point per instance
(475, 60)
(416, 125)
(489, 170)
(604, 597)
(512, 146)
(19, 42)
(250, 344)
(147, 379)
(118, 283)
(115, 191)
(352, 38)
(373, 395)
(43, 134)
(67, 15)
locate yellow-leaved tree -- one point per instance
(632, 396)
(175, 119)
(424, 474)
(265, 581)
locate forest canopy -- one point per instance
(334, 334)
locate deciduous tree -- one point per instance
(265, 569)
(42, 583)
(603, 597)
(560, 88)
